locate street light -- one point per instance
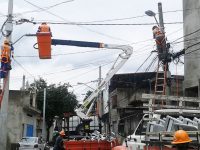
(152, 14)
(80, 83)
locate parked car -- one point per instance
(32, 143)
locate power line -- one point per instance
(151, 64)
(128, 18)
(192, 51)
(44, 9)
(86, 72)
(90, 51)
(23, 68)
(143, 62)
(187, 40)
(104, 24)
(80, 67)
(186, 35)
(116, 38)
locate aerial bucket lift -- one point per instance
(44, 41)
(44, 45)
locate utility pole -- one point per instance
(165, 54)
(162, 28)
(44, 110)
(4, 105)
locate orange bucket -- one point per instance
(44, 44)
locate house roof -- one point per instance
(131, 80)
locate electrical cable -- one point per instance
(23, 68)
(80, 67)
(187, 40)
(143, 62)
(85, 72)
(186, 35)
(28, 56)
(116, 38)
(192, 51)
(4, 34)
(45, 8)
(105, 24)
(128, 18)
(151, 64)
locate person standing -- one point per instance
(59, 144)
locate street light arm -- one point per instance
(152, 14)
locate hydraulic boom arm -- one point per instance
(44, 53)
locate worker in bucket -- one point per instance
(44, 28)
(59, 145)
(181, 140)
(159, 37)
(6, 50)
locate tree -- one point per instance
(58, 100)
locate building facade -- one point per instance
(23, 116)
(125, 97)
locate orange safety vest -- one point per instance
(5, 53)
(44, 28)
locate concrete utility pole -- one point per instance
(4, 105)
(44, 110)
(166, 49)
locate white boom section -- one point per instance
(82, 111)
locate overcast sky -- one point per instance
(82, 66)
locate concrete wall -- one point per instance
(19, 115)
(191, 19)
(15, 116)
(119, 122)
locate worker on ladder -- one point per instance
(6, 50)
(181, 140)
(159, 37)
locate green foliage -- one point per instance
(58, 100)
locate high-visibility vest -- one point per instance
(5, 53)
(44, 28)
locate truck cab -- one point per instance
(134, 141)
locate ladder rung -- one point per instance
(160, 85)
(160, 78)
(159, 91)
